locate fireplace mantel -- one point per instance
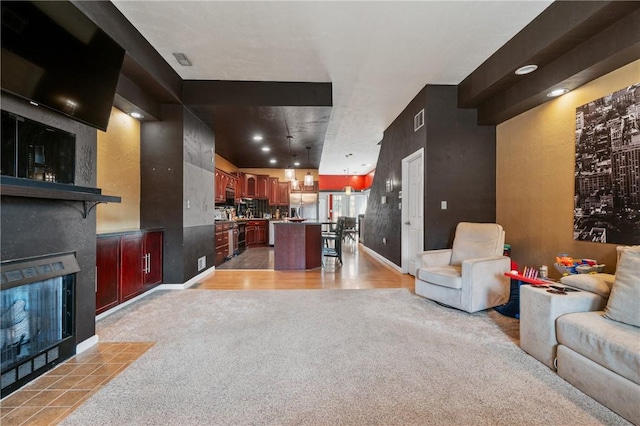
(17, 187)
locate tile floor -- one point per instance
(251, 258)
(53, 396)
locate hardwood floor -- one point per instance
(359, 270)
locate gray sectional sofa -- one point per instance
(592, 336)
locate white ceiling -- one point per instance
(378, 55)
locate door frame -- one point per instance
(405, 202)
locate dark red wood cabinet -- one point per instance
(127, 265)
(131, 276)
(107, 267)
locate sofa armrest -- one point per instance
(539, 310)
(484, 284)
(430, 258)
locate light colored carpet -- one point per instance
(326, 357)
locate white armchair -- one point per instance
(470, 275)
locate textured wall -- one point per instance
(198, 184)
(119, 173)
(535, 176)
(161, 189)
(34, 227)
(459, 169)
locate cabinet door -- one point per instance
(107, 258)
(240, 187)
(261, 235)
(274, 193)
(131, 266)
(219, 186)
(250, 236)
(263, 186)
(153, 263)
(283, 193)
(251, 185)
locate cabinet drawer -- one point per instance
(222, 238)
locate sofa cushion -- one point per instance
(475, 240)
(445, 276)
(612, 344)
(624, 302)
(594, 283)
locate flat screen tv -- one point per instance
(55, 56)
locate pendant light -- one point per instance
(347, 189)
(289, 173)
(295, 184)
(308, 178)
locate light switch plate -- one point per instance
(443, 205)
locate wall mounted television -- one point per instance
(55, 56)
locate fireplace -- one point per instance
(36, 316)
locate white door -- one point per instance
(412, 209)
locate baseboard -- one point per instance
(127, 303)
(380, 258)
(184, 286)
(188, 283)
(86, 344)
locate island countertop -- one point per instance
(297, 245)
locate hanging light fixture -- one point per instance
(289, 173)
(295, 184)
(348, 188)
(308, 178)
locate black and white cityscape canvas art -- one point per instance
(607, 173)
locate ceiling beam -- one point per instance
(571, 42)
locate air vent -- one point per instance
(418, 120)
(182, 59)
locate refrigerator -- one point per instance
(304, 205)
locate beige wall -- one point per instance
(119, 173)
(535, 177)
(226, 166)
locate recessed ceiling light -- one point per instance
(272, 161)
(557, 92)
(136, 115)
(266, 149)
(365, 165)
(527, 69)
(257, 138)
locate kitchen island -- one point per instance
(297, 245)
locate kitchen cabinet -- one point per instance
(250, 185)
(152, 251)
(263, 187)
(283, 193)
(257, 233)
(220, 186)
(311, 189)
(131, 266)
(278, 192)
(222, 242)
(107, 269)
(240, 187)
(127, 265)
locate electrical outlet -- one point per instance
(443, 205)
(202, 263)
(188, 204)
(384, 241)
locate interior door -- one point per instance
(412, 209)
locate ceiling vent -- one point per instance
(418, 120)
(182, 59)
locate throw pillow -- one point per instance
(624, 303)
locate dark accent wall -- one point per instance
(460, 164)
(170, 150)
(35, 227)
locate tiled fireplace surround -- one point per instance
(39, 226)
